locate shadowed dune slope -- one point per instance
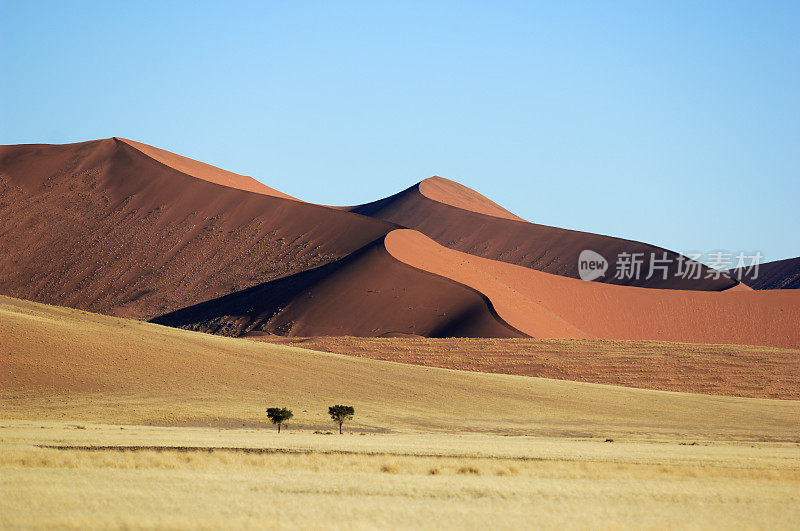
(429, 208)
(780, 274)
(60, 363)
(368, 293)
(204, 171)
(549, 306)
(104, 227)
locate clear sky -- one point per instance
(677, 124)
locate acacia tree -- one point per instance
(279, 415)
(341, 413)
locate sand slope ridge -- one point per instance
(780, 274)
(460, 219)
(457, 195)
(367, 293)
(103, 226)
(551, 306)
(204, 171)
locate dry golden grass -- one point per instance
(429, 447)
(732, 370)
(66, 364)
(387, 481)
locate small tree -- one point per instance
(279, 415)
(340, 414)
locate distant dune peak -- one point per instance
(463, 220)
(203, 171)
(106, 227)
(457, 195)
(780, 274)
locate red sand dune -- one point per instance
(457, 195)
(204, 171)
(429, 208)
(549, 306)
(103, 226)
(122, 228)
(780, 274)
(369, 293)
(407, 284)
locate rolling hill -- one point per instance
(63, 363)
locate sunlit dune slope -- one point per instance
(457, 195)
(549, 306)
(105, 227)
(63, 363)
(204, 171)
(447, 213)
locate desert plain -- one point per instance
(140, 425)
(152, 307)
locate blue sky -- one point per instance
(676, 124)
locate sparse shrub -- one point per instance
(435, 471)
(475, 471)
(341, 413)
(508, 471)
(279, 415)
(390, 469)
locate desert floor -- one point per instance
(429, 447)
(212, 477)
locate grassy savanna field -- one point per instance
(732, 370)
(185, 414)
(385, 480)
